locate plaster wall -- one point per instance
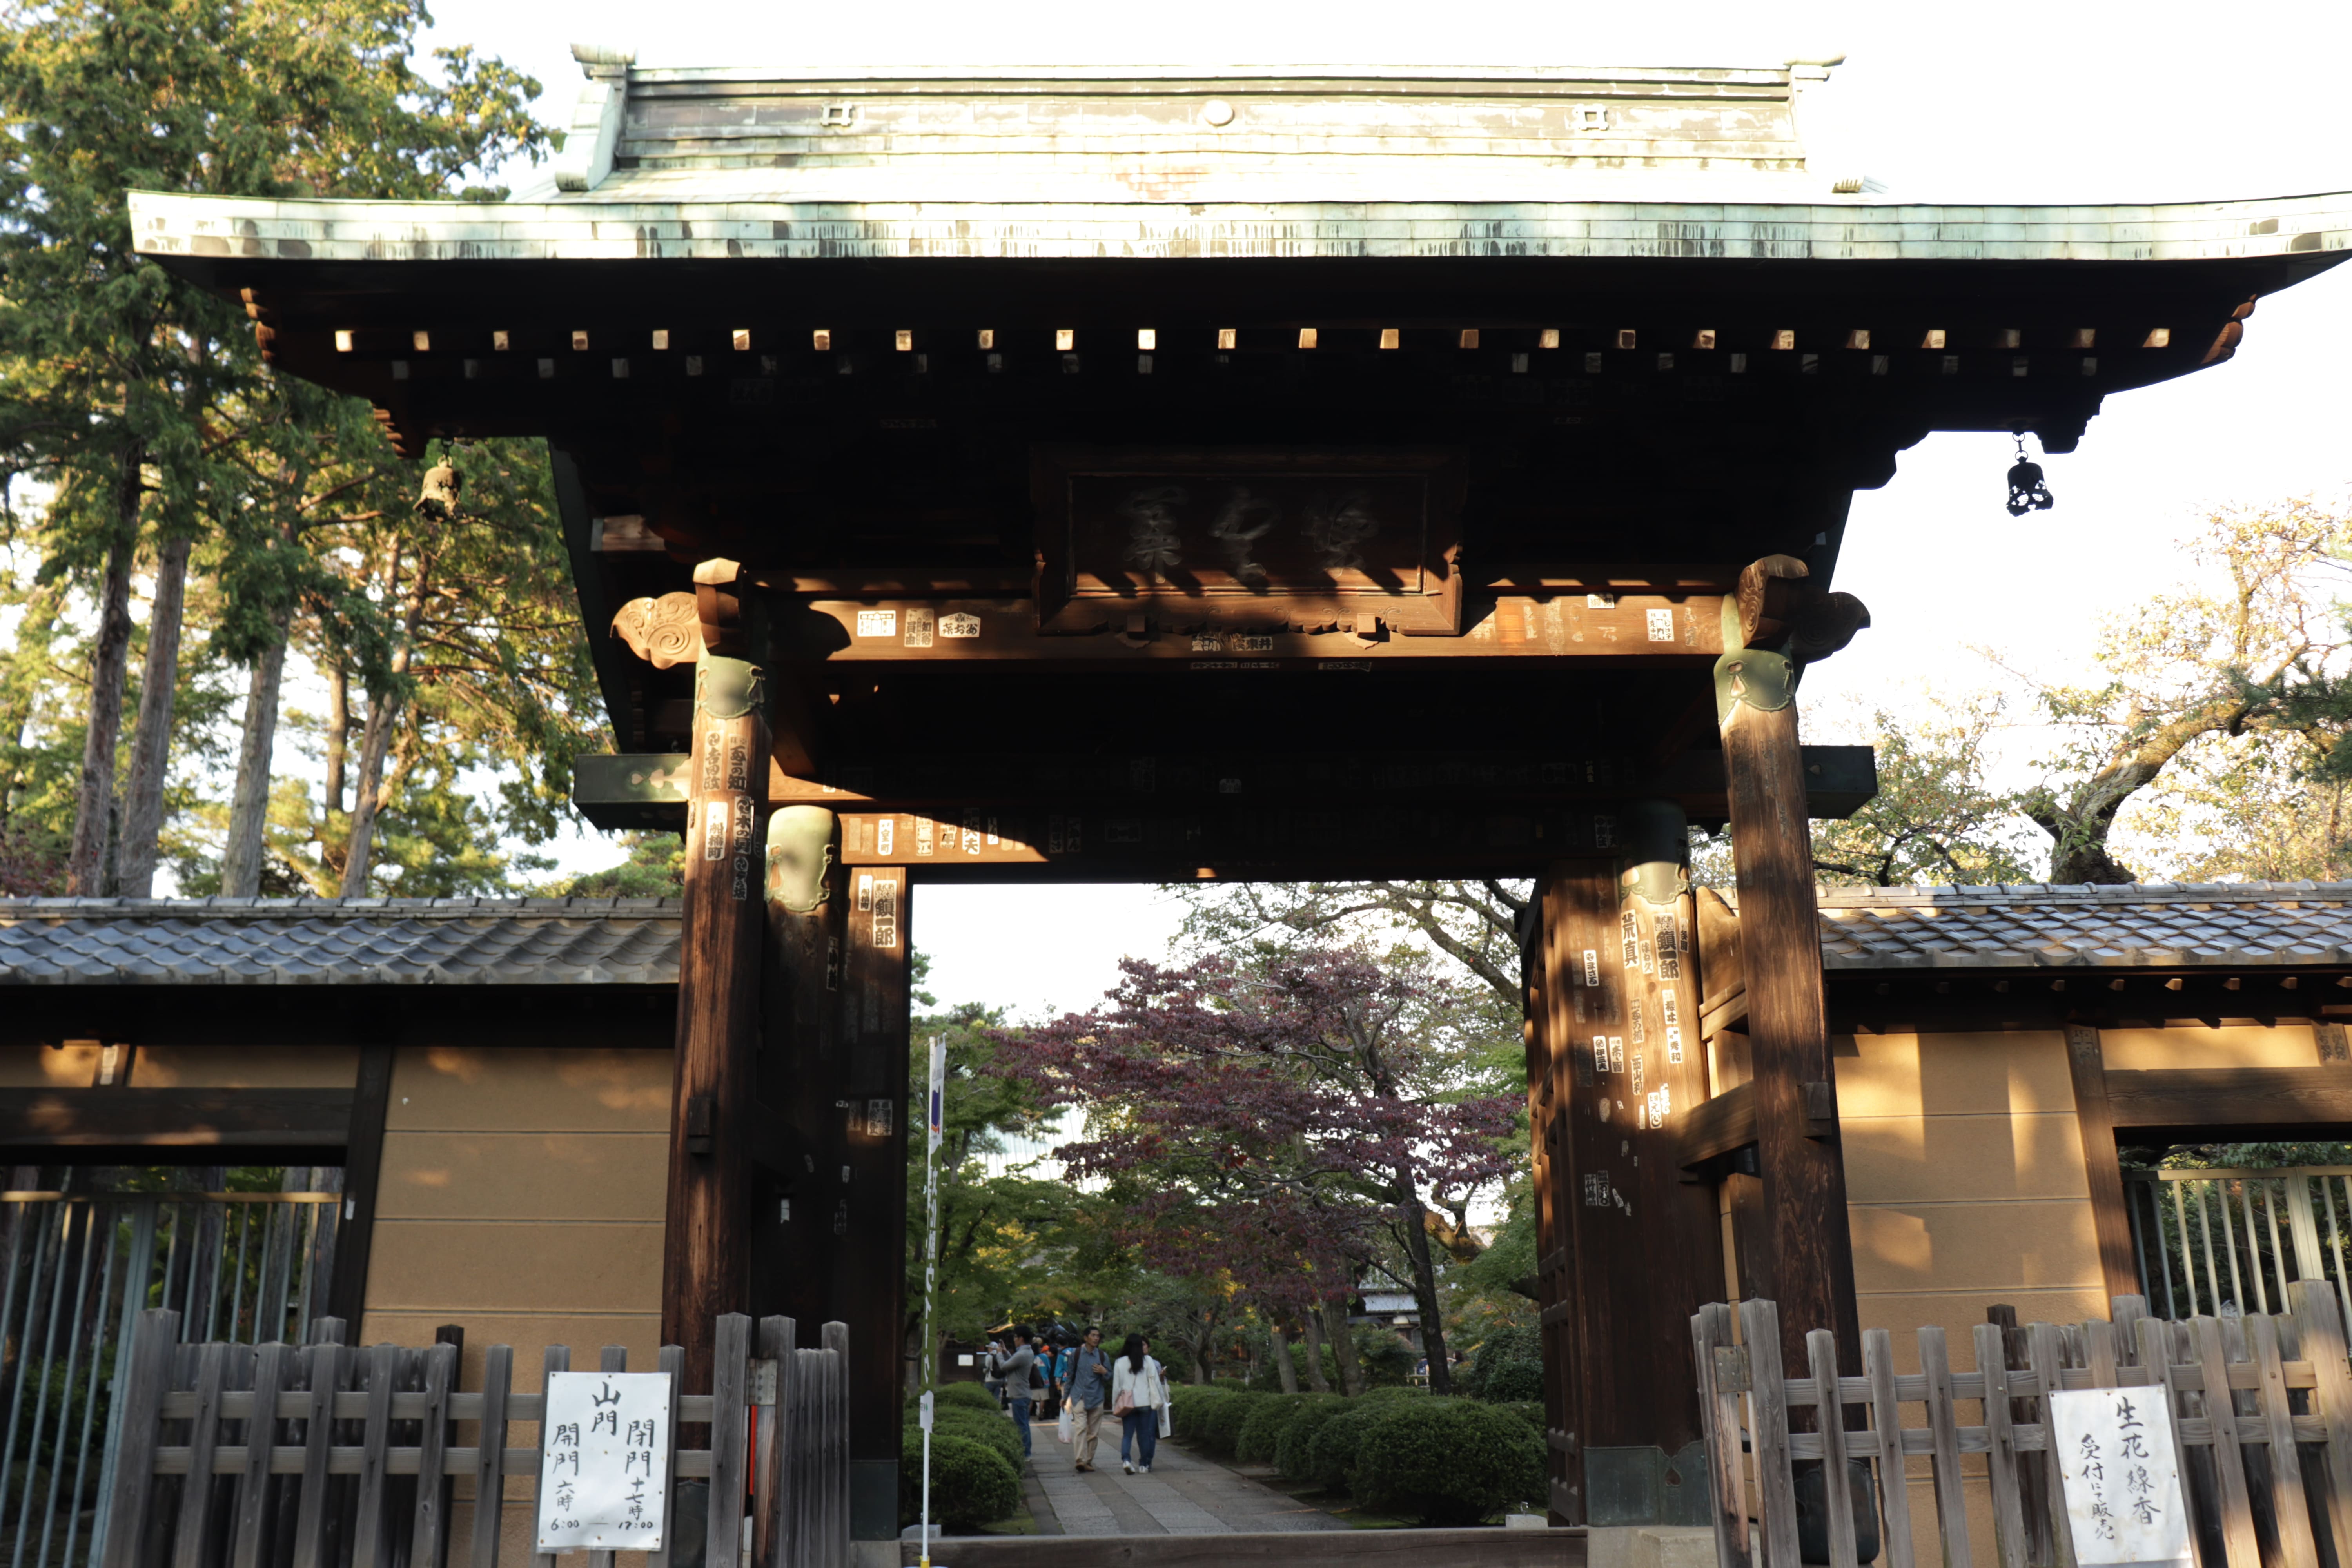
(521, 1197)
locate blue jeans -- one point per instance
(1021, 1419)
(1141, 1428)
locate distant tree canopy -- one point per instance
(150, 452)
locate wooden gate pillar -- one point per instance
(1805, 1249)
(706, 1247)
(1630, 1249)
(869, 1218)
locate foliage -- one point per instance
(135, 399)
(1937, 817)
(1446, 1461)
(1272, 1116)
(1387, 1360)
(998, 1238)
(655, 868)
(1293, 1451)
(1507, 1365)
(1218, 1429)
(971, 1483)
(1267, 1377)
(2248, 646)
(1261, 1429)
(969, 1396)
(989, 1426)
(1331, 1451)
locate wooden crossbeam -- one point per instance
(175, 1117)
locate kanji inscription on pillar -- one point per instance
(2123, 1476)
(603, 1462)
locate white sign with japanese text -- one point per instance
(2123, 1476)
(604, 1461)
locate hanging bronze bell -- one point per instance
(2026, 490)
(438, 498)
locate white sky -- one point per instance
(2055, 102)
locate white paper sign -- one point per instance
(604, 1461)
(2123, 1476)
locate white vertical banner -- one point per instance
(939, 1087)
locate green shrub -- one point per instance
(970, 1395)
(1506, 1365)
(1292, 1449)
(1261, 1429)
(1386, 1359)
(1331, 1452)
(984, 1426)
(1268, 1378)
(1395, 1390)
(971, 1483)
(1530, 1411)
(1446, 1461)
(1218, 1429)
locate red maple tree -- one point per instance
(1264, 1121)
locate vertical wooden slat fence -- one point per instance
(2261, 1407)
(322, 1457)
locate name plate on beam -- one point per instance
(1293, 537)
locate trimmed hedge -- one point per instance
(1331, 1452)
(982, 1426)
(1395, 1390)
(1291, 1449)
(1530, 1411)
(970, 1395)
(1261, 1429)
(1446, 1461)
(971, 1483)
(1218, 1428)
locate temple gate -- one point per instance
(1139, 475)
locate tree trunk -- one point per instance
(1343, 1347)
(248, 808)
(1316, 1378)
(110, 660)
(383, 713)
(151, 744)
(339, 730)
(1424, 1286)
(359, 848)
(1284, 1368)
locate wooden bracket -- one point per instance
(664, 632)
(719, 608)
(702, 1112)
(1769, 592)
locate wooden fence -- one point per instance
(358, 1471)
(2289, 1393)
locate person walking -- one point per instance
(1090, 1378)
(1020, 1369)
(1138, 1389)
(992, 1369)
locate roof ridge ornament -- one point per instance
(596, 126)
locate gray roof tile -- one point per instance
(329, 941)
(2226, 925)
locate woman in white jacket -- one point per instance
(1139, 1387)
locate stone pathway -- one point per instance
(1183, 1495)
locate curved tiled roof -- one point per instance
(338, 941)
(551, 942)
(2036, 925)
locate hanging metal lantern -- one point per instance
(2026, 490)
(438, 498)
